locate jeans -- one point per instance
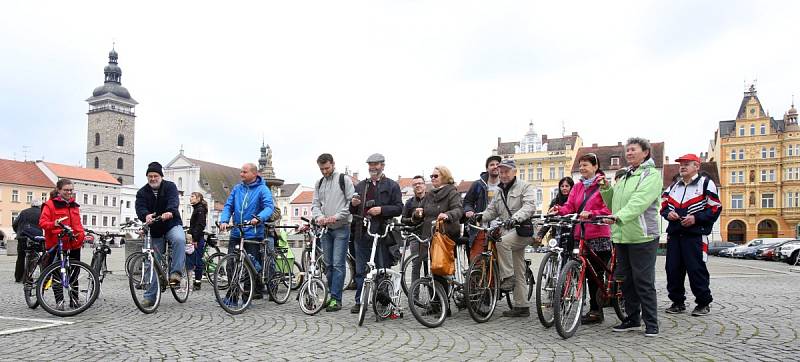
(194, 261)
(363, 249)
(254, 250)
(636, 264)
(334, 246)
(177, 243)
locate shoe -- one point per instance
(651, 332)
(355, 309)
(147, 303)
(257, 296)
(507, 284)
(676, 308)
(518, 312)
(333, 306)
(175, 278)
(197, 285)
(627, 325)
(593, 317)
(701, 310)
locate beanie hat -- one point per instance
(155, 167)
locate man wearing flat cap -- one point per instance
(691, 206)
(379, 199)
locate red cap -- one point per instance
(688, 157)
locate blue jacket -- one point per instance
(167, 200)
(246, 202)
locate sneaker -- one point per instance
(518, 312)
(355, 309)
(507, 284)
(593, 317)
(701, 310)
(197, 285)
(147, 303)
(333, 306)
(676, 308)
(627, 325)
(651, 332)
(175, 278)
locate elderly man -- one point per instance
(515, 203)
(26, 226)
(691, 206)
(378, 198)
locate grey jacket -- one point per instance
(329, 200)
(521, 200)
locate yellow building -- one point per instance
(759, 163)
(20, 183)
(542, 162)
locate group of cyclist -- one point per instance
(340, 207)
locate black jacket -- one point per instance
(388, 197)
(445, 199)
(147, 203)
(27, 223)
(197, 224)
(476, 199)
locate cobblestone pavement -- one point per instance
(755, 316)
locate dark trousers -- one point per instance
(685, 255)
(19, 268)
(74, 273)
(605, 256)
(195, 260)
(636, 265)
(363, 248)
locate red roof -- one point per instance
(23, 173)
(404, 182)
(464, 186)
(305, 197)
(80, 173)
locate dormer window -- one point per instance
(614, 161)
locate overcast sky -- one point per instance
(423, 82)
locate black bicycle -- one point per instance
(35, 257)
(102, 250)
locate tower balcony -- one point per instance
(128, 111)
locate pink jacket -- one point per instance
(595, 205)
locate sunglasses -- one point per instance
(434, 176)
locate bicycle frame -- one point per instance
(372, 272)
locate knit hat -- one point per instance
(155, 167)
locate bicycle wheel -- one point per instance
(142, 276)
(350, 277)
(298, 274)
(382, 303)
(32, 272)
(240, 284)
(618, 300)
(70, 293)
(405, 273)
(482, 288)
(428, 302)
(128, 261)
(313, 296)
(568, 299)
(279, 284)
(365, 298)
(546, 279)
(211, 266)
(182, 290)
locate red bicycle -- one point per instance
(572, 284)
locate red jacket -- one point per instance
(57, 208)
(595, 205)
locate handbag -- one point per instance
(524, 228)
(442, 259)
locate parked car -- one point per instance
(716, 248)
(770, 252)
(789, 252)
(739, 251)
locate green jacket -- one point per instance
(634, 201)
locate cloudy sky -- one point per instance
(423, 82)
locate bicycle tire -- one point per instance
(568, 299)
(405, 273)
(210, 265)
(279, 285)
(98, 265)
(313, 296)
(383, 311)
(137, 268)
(425, 294)
(546, 279)
(482, 288)
(181, 291)
(618, 300)
(51, 276)
(299, 275)
(350, 273)
(365, 298)
(241, 284)
(31, 275)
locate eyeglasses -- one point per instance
(68, 190)
(418, 184)
(592, 155)
(434, 176)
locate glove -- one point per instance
(476, 218)
(509, 224)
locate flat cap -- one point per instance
(376, 157)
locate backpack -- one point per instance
(341, 182)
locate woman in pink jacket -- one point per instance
(598, 237)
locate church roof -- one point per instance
(216, 179)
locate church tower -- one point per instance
(110, 136)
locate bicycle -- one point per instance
(428, 298)
(65, 274)
(102, 250)
(314, 292)
(241, 270)
(34, 263)
(388, 287)
(350, 266)
(572, 283)
(559, 248)
(483, 284)
(407, 231)
(147, 273)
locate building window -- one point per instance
(772, 152)
(733, 177)
(127, 204)
(97, 139)
(737, 201)
(552, 173)
(741, 177)
(530, 174)
(789, 151)
(733, 154)
(767, 175)
(763, 129)
(305, 211)
(180, 183)
(561, 172)
(96, 162)
(768, 200)
(14, 195)
(752, 130)
(94, 199)
(114, 201)
(792, 199)
(120, 163)
(14, 216)
(113, 221)
(120, 140)
(522, 175)
(539, 196)
(94, 220)
(85, 219)
(105, 200)
(296, 212)
(741, 154)
(538, 173)
(86, 199)
(763, 152)
(285, 210)
(29, 197)
(105, 220)
(614, 161)
(44, 196)
(741, 131)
